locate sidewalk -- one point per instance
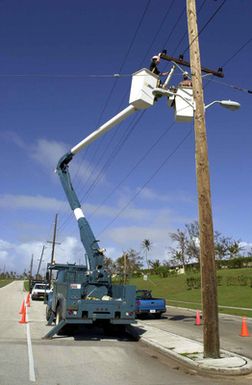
(190, 352)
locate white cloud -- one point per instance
(132, 234)
(246, 247)
(30, 202)
(47, 153)
(17, 257)
(152, 195)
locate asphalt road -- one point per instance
(182, 322)
(88, 357)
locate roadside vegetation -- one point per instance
(174, 289)
(4, 282)
(177, 278)
(26, 285)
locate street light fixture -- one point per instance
(229, 104)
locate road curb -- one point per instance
(190, 352)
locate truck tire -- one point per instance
(48, 312)
(59, 318)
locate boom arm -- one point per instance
(94, 253)
(141, 97)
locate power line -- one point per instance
(143, 157)
(238, 88)
(114, 153)
(206, 24)
(236, 52)
(158, 31)
(174, 26)
(107, 163)
(147, 182)
(114, 85)
(66, 76)
(185, 33)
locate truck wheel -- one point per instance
(48, 312)
(59, 318)
(58, 314)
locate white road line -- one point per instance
(30, 354)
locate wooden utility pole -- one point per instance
(125, 260)
(30, 272)
(40, 261)
(207, 255)
(53, 247)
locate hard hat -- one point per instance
(155, 57)
(185, 74)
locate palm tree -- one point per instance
(146, 246)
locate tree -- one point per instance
(155, 265)
(109, 265)
(221, 245)
(234, 249)
(179, 255)
(193, 246)
(129, 263)
(146, 246)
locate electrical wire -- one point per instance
(107, 164)
(185, 33)
(238, 88)
(158, 31)
(236, 52)
(180, 16)
(114, 85)
(206, 24)
(140, 160)
(172, 30)
(174, 26)
(120, 69)
(147, 182)
(65, 76)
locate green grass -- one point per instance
(26, 285)
(176, 293)
(4, 282)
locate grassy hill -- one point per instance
(234, 290)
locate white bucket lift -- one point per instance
(184, 104)
(142, 85)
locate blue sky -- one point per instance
(58, 59)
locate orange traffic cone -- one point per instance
(244, 328)
(22, 307)
(197, 320)
(28, 300)
(23, 318)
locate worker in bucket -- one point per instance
(155, 60)
(186, 82)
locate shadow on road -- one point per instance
(185, 318)
(91, 333)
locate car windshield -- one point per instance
(43, 287)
